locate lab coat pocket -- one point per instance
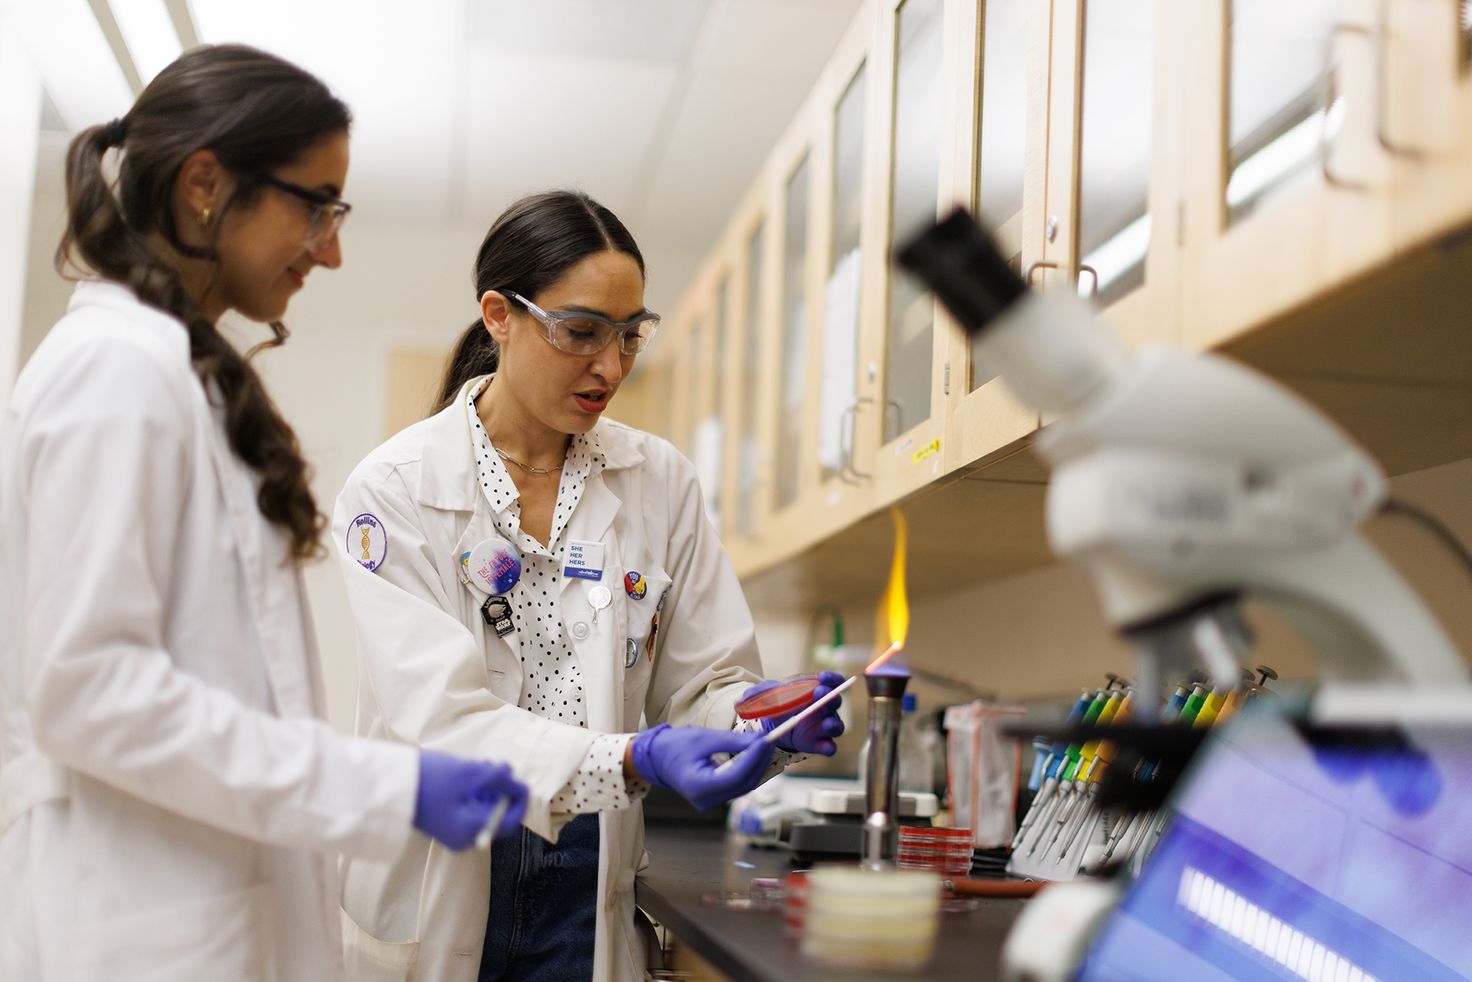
(371, 960)
(644, 596)
(223, 937)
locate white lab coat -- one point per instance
(432, 673)
(166, 788)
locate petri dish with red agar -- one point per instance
(780, 699)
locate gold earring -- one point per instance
(204, 218)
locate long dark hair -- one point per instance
(528, 249)
(257, 113)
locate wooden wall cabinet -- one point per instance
(1213, 173)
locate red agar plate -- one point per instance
(784, 697)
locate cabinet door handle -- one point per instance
(847, 472)
(1034, 267)
(1331, 94)
(1094, 274)
(1382, 78)
(1082, 268)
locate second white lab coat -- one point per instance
(168, 795)
(433, 674)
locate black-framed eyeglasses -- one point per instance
(328, 213)
(583, 333)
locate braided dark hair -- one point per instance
(256, 113)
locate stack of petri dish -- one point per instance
(943, 851)
(884, 920)
(795, 902)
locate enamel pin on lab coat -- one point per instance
(634, 585)
(584, 560)
(493, 566)
(497, 613)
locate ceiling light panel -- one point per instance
(77, 65)
(149, 34)
(613, 30)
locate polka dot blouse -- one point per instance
(552, 685)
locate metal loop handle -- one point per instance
(1331, 94)
(847, 472)
(1094, 290)
(892, 403)
(1082, 268)
(1382, 77)
(1034, 267)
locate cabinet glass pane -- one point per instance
(913, 194)
(1275, 96)
(751, 345)
(999, 179)
(841, 302)
(1465, 34)
(710, 442)
(1114, 144)
(792, 371)
(694, 403)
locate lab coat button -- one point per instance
(580, 630)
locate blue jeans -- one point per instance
(544, 906)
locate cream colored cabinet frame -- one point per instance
(916, 456)
(836, 500)
(1427, 117)
(1333, 222)
(983, 421)
(1150, 311)
(784, 527)
(753, 216)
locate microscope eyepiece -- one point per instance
(958, 260)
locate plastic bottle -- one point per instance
(916, 765)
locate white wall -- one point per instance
(20, 121)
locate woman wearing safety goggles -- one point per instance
(533, 579)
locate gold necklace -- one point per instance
(526, 467)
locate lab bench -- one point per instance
(689, 861)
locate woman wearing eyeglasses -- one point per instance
(168, 794)
(536, 579)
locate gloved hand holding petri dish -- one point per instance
(774, 701)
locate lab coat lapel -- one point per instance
(503, 654)
(266, 589)
(596, 652)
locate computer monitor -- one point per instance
(1297, 854)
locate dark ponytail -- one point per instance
(257, 113)
(529, 247)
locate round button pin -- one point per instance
(599, 597)
(493, 566)
(580, 630)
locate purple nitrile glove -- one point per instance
(679, 758)
(456, 797)
(814, 735)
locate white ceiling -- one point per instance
(663, 109)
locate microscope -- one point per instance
(1183, 483)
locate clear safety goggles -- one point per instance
(582, 333)
(327, 215)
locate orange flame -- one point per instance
(894, 609)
